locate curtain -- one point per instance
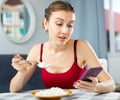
(90, 24)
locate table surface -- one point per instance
(77, 95)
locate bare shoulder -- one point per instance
(36, 46)
(83, 44)
(87, 53)
(84, 49)
(34, 53)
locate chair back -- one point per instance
(104, 63)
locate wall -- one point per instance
(114, 62)
(39, 36)
(89, 25)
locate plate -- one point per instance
(68, 93)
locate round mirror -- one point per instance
(17, 20)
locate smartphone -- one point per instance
(91, 72)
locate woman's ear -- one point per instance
(45, 24)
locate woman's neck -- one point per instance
(54, 48)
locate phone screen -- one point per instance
(91, 72)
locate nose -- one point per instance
(65, 29)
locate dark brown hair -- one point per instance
(56, 6)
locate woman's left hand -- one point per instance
(87, 86)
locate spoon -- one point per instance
(41, 64)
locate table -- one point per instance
(77, 95)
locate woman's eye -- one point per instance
(70, 26)
(59, 24)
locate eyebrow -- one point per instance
(63, 19)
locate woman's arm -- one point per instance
(86, 54)
(25, 69)
(106, 86)
(20, 79)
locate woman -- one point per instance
(67, 57)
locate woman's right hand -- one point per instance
(19, 63)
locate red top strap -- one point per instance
(41, 51)
(75, 50)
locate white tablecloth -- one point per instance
(77, 95)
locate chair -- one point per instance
(7, 72)
(104, 63)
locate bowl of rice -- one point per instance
(51, 93)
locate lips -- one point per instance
(62, 38)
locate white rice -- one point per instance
(43, 65)
(54, 91)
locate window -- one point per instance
(112, 18)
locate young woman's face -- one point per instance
(60, 26)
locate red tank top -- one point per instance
(62, 80)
